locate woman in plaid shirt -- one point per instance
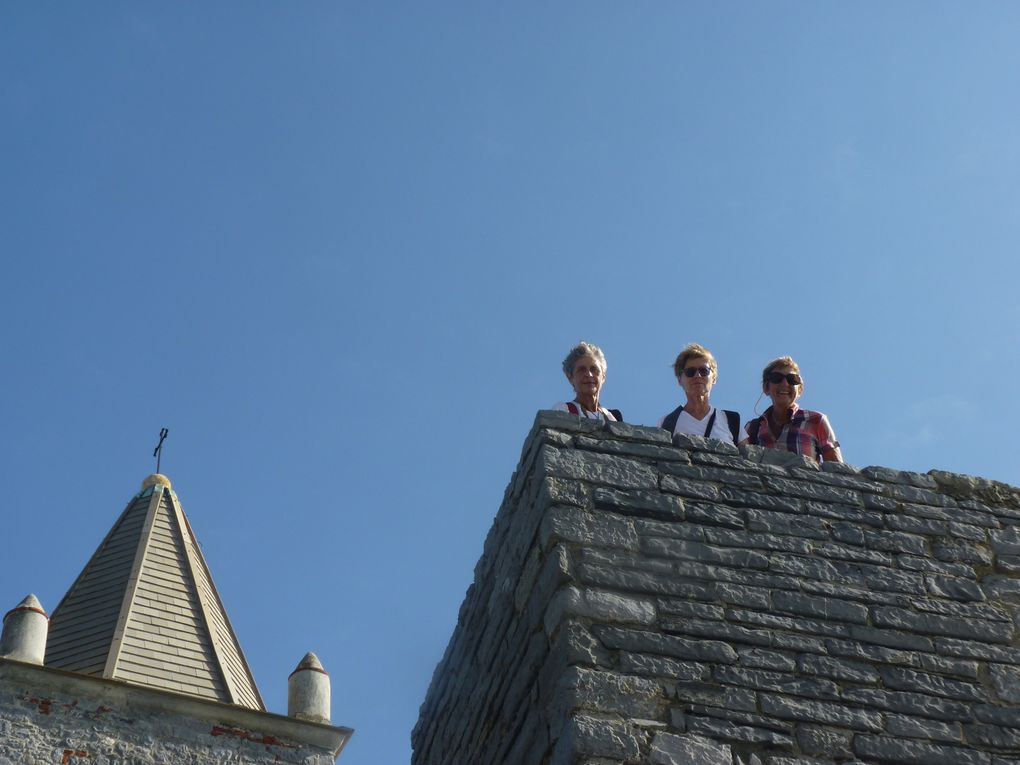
(784, 425)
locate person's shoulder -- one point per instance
(560, 406)
(811, 415)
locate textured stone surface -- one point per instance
(692, 603)
(49, 716)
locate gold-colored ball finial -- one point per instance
(154, 479)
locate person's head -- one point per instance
(585, 368)
(781, 381)
(696, 370)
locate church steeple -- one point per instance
(145, 610)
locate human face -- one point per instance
(697, 386)
(783, 394)
(587, 377)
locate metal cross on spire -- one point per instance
(158, 451)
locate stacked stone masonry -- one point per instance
(49, 716)
(686, 603)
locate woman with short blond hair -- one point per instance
(696, 372)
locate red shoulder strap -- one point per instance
(572, 407)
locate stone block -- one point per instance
(901, 679)
(638, 432)
(919, 727)
(906, 751)
(1006, 681)
(732, 496)
(731, 633)
(596, 468)
(646, 504)
(592, 736)
(1005, 541)
(743, 595)
(600, 529)
(781, 682)
(824, 741)
(649, 665)
(602, 691)
(715, 515)
(685, 441)
(695, 551)
(835, 477)
(646, 641)
(711, 474)
(631, 580)
(629, 449)
(962, 552)
(929, 565)
(949, 626)
(954, 587)
(910, 703)
(838, 669)
(598, 605)
(729, 731)
(553, 419)
(786, 459)
(853, 554)
(896, 541)
(687, 487)
(807, 710)
(944, 666)
(761, 658)
(690, 609)
(775, 623)
(821, 608)
(1001, 588)
(813, 491)
(715, 695)
(670, 749)
(782, 523)
(993, 736)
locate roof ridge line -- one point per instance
(113, 657)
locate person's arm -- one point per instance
(827, 443)
(747, 431)
(832, 454)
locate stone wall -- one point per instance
(49, 716)
(644, 602)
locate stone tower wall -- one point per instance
(644, 602)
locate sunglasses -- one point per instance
(778, 377)
(703, 371)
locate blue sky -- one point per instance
(339, 251)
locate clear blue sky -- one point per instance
(340, 249)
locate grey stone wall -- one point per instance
(643, 602)
(49, 716)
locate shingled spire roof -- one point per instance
(145, 610)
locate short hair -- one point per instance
(782, 361)
(580, 350)
(694, 351)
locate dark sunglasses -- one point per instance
(703, 371)
(778, 377)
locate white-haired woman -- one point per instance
(585, 368)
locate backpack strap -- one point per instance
(733, 420)
(572, 408)
(669, 421)
(752, 430)
(711, 423)
(616, 413)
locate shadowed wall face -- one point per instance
(644, 602)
